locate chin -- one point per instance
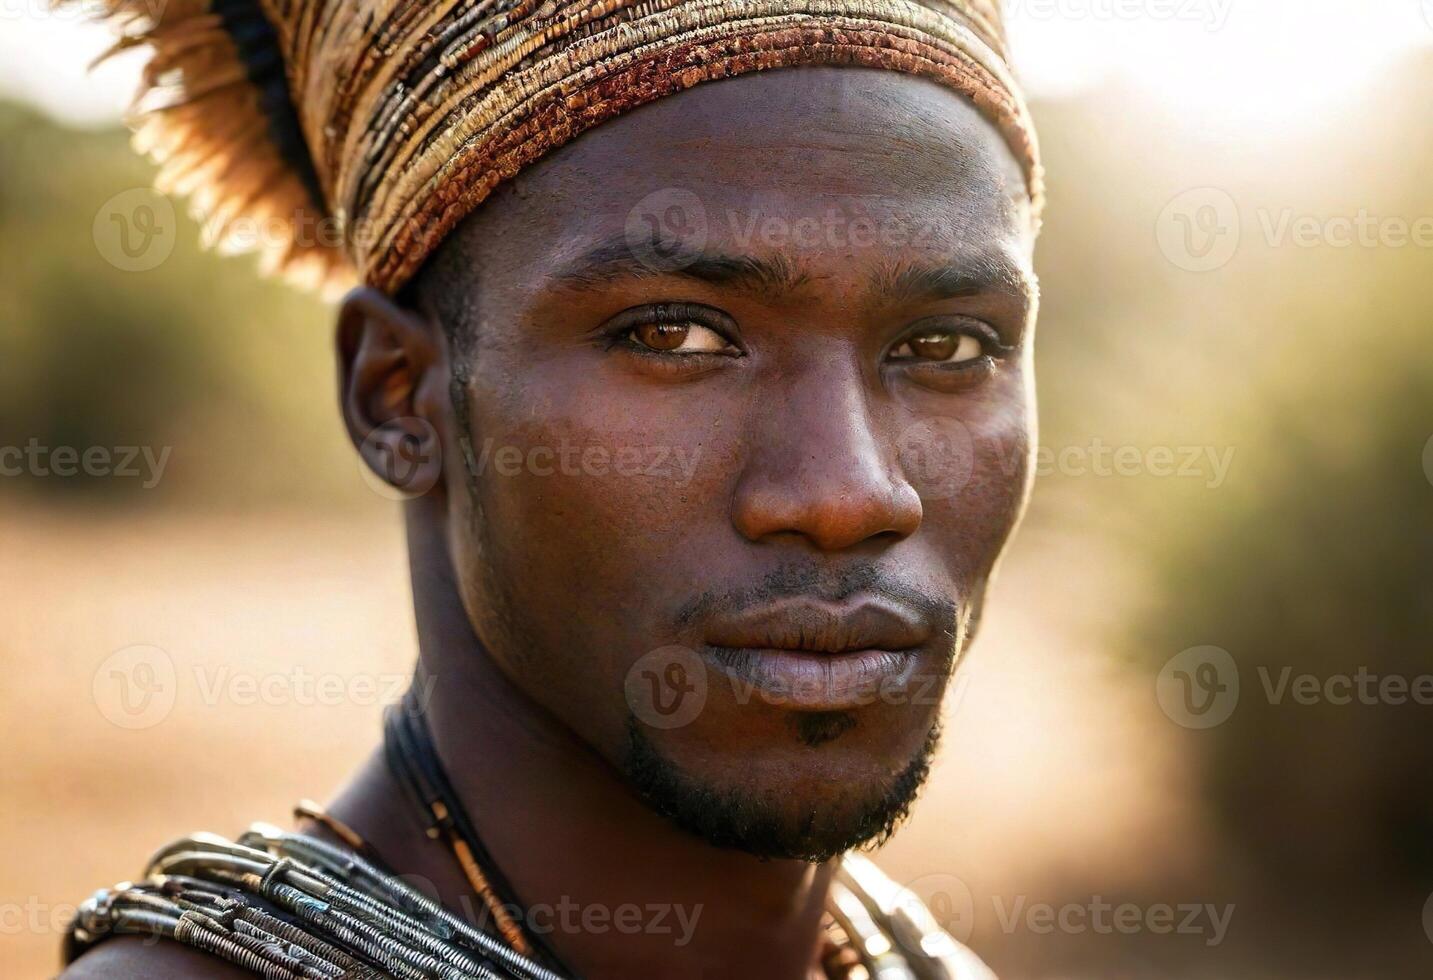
(810, 798)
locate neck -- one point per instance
(610, 885)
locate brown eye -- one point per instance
(679, 338)
(942, 346)
(662, 336)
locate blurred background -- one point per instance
(1196, 738)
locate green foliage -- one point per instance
(196, 354)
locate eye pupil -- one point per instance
(935, 346)
(663, 336)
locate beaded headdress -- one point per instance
(343, 139)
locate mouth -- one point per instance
(814, 656)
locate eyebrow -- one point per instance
(986, 273)
(620, 258)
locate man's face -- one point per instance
(749, 397)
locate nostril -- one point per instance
(830, 516)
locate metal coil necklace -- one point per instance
(290, 906)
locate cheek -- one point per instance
(601, 468)
(586, 499)
(972, 469)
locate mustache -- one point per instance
(806, 581)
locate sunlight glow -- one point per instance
(1238, 66)
(1231, 66)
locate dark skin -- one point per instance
(848, 382)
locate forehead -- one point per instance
(816, 168)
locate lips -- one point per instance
(814, 656)
(816, 627)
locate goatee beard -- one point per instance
(746, 822)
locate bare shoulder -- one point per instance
(134, 958)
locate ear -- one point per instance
(389, 359)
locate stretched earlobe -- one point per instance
(388, 357)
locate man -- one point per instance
(706, 397)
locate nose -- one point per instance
(820, 469)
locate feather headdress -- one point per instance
(343, 139)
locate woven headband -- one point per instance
(343, 139)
